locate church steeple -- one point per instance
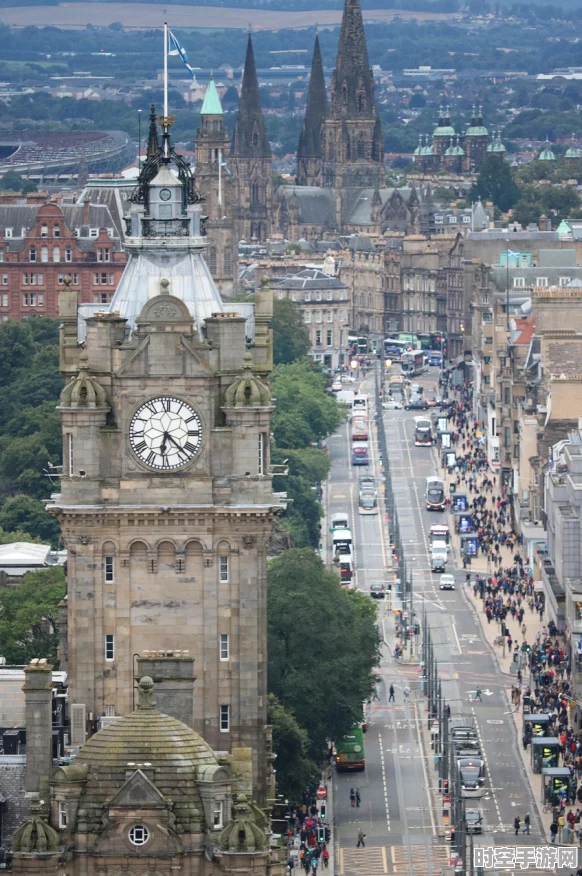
(352, 85)
(250, 135)
(153, 142)
(309, 148)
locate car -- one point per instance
(447, 582)
(467, 748)
(474, 820)
(336, 385)
(419, 404)
(367, 503)
(392, 405)
(378, 590)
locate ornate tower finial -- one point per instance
(153, 142)
(309, 147)
(250, 138)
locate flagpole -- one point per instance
(220, 178)
(165, 86)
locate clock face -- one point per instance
(165, 433)
(165, 194)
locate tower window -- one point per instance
(224, 646)
(62, 814)
(361, 148)
(109, 647)
(70, 454)
(138, 835)
(262, 453)
(254, 193)
(227, 261)
(109, 569)
(224, 718)
(217, 814)
(212, 259)
(223, 564)
(255, 139)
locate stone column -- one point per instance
(173, 676)
(38, 694)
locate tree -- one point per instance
(290, 337)
(496, 183)
(309, 613)
(29, 616)
(11, 182)
(305, 411)
(16, 348)
(28, 186)
(295, 769)
(28, 514)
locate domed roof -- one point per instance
(444, 131)
(146, 737)
(573, 152)
(247, 390)
(476, 127)
(34, 834)
(546, 154)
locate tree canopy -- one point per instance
(310, 615)
(29, 616)
(495, 183)
(305, 411)
(295, 769)
(290, 337)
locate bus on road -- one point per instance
(435, 494)
(349, 751)
(360, 427)
(396, 385)
(412, 363)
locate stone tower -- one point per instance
(166, 502)
(214, 181)
(353, 143)
(309, 155)
(476, 142)
(251, 159)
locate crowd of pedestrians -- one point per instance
(308, 835)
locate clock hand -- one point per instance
(163, 444)
(173, 440)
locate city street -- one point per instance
(403, 832)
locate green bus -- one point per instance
(349, 751)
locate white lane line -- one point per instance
(384, 780)
(489, 776)
(456, 637)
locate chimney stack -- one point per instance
(173, 676)
(38, 695)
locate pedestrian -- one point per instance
(561, 825)
(358, 798)
(516, 824)
(526, 824)
(478, 695)
(325, 856)
(352, 798)
(553, 831)
(391, 692)
(406, 693)
(361, 838)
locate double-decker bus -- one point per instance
(422, 432)
(393, 348)
(412, 363)
(349, 751)
(434, 494)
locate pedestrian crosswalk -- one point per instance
(377, 860)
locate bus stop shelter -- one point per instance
(536, 725)
(555, 783)
(544, 752)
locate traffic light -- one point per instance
(322, 810)
(327, 834)
(445, 786)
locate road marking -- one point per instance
(384, 780)
(426, 781)
(454, 626)
(384, 861)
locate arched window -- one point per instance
(44, 253)
(361, 102)
(255, 139)
(215, 125)
(212, 259)
(254, 193)
(361, 148)
(227, 261)
(345, 94)
(56, 253)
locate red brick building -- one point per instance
(40, 245)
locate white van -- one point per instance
(438, 557)
(341, 541)
(340, 521)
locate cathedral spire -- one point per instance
(316, 110)
(309, 149)
(250, 135)
(352, 87)
(153, 142)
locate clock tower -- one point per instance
(166, 501)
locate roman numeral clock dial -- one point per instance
(165, 433)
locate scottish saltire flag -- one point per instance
(510, 252)
(174, 48)
(225, 165)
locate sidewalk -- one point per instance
(503, 657)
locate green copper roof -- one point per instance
(211, 105)
(573, 152)
(477, 131)
(444, 131)
(547, 155)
